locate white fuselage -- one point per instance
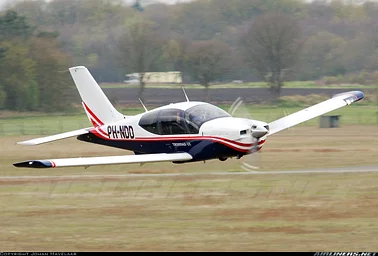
(153, 132)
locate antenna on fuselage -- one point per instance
(141, 102)
(186, 96)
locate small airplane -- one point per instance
(181, 132)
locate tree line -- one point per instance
(29, 59)
(208, 40)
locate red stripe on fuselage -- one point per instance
(99, 130)
(195, 137)
(226, 142)
(165, 138)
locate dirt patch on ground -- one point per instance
(285, 230)
(154, 171)
(203, 200)
(302, 213)
(322, 150)
(119, 210)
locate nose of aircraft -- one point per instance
(235, 128)
(259, 130)
(228, 127)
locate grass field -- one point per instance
(43, 124)
(292, 212)
(290, 84)
(324, 212)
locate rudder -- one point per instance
(97, 106)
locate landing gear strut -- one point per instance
(239, 156)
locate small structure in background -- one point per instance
(171, 77)
(329, 121)
(137, 6)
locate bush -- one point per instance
(362, 77)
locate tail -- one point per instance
(97, 106)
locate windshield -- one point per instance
(200, 114)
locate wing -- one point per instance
(337, 101)
(55, 137)
(105, 160)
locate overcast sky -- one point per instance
(2, 2)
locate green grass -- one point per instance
(57, 123)
(43, 125)
(291, 84)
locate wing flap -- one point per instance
(105, 160)
(337, 101)
(55, 137)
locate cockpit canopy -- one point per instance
(176, 121)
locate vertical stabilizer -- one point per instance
(97, 106)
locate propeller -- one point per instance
(250, 161)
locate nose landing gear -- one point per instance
(239, 156)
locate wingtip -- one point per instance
(33, 164)
(355, 95)
(359, 94)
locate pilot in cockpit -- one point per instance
(178, 116)
(178, 126)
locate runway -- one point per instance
(354, 169)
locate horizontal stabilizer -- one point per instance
(337, 101)
(55, 137)
(105, 160)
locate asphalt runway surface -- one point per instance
(354, 169)
(161, 96)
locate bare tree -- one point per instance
(140, 47)
(271, 47)
(207, 61)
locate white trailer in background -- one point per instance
(170, 77)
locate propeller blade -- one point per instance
(250, 162)
(239, 109)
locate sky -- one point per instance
(2, 2)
